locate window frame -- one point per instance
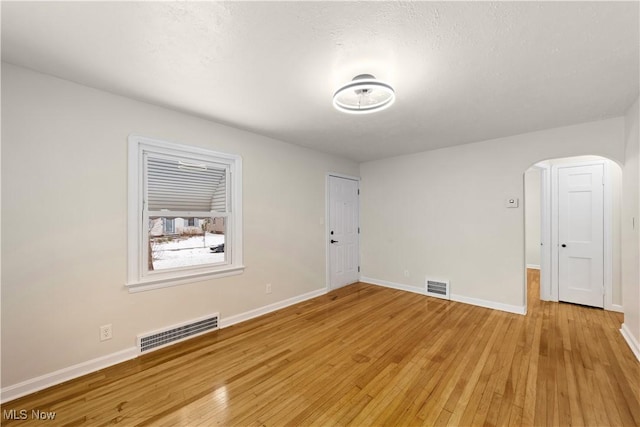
(138, 277)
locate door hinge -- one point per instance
(358, 191)
(358, 269)
(358, 230)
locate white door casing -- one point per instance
(545, 233)
(581, 234)
(343, 238)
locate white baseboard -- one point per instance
(615, 307)
(232, 320)
(44, 381)
(35, 384)
(533, 266)
(517, 309)
(458, 298)
(393, 285)
(632, 342)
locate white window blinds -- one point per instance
(174, 184)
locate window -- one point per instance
(185, 213)
(169, 225)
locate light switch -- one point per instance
(511, 202)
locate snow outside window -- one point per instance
(184, 214)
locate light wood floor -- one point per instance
(365, 355)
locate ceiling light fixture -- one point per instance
(364, 94)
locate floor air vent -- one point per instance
(180, 332)
(438, 288)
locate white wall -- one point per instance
(630, 226)
(64, 228)
(441, 213)
(532, 216)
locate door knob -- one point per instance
(564, 246)
(334, 241)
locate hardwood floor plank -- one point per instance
(531, 382)
(493, 413)
(367, 355)
(515, 416)
(476, 396)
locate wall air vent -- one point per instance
(438, 288)
(176, 333)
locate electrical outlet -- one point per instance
(105, 332)
(267, 289)
(406, 273)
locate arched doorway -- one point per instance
(564, 275)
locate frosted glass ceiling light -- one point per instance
(364, 94)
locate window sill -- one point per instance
(165, 282)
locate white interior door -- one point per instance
(581, 234)
(343, 231)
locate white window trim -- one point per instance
(136, 280)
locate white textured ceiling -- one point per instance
(463, 71)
